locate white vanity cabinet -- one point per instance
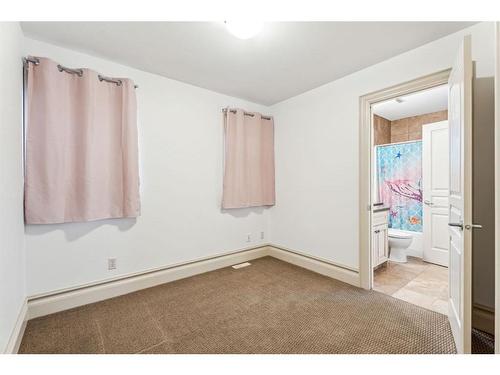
(380, 240)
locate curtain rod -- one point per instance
(78, 72)
(245, 113)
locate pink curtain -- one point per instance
(249, 160)
(81, 147)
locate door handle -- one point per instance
(428, 203)
(467, 226)
(458, 225)
(473, 226)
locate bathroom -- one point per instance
(410, 198)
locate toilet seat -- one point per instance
(395, 233)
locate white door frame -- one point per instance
(365, 161)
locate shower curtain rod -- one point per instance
(245, 113)
(78, 72)
(398, 143)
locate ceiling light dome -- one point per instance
(244, 29)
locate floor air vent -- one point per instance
(241, 265)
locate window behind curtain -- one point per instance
(249, 160)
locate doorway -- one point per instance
(366, 161)
(461, 225)
(410, 198)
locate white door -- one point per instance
(460, 208)
(435, 178)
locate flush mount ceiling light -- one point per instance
(244, 29)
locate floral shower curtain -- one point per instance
(399, 172)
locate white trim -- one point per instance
(140, 273)
(315, 264)
(18, 332)
(50, 304)
(365, 162)
(313, 257)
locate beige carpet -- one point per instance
(268, 307)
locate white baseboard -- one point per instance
(483, 319)
(65, 300)
(17, 333)
(320, 266)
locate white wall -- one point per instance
(12, 275)
(317, 148)
(181, 159)
(180, 130)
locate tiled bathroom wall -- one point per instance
(382, 130)
(405, 129)
(410, 128)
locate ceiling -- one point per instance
(420, 103)
(284, 60)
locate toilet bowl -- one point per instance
(399, 241)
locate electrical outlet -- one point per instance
(249, 237)
(262, 235)
(111, 263)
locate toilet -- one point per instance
(399, 241)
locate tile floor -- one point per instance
(418, 282)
